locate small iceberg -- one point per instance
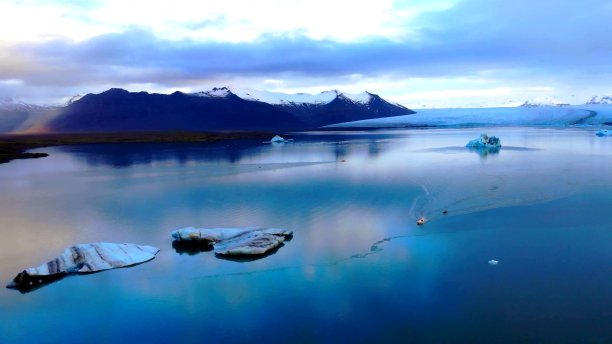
(484, 141)
(493, 262)
(279, 139)
(234, 241)
(83, 259)
(254, 243)
(604, 132)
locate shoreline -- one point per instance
(15, 146)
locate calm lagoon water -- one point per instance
(358, 269)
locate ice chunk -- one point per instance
(493, 262)
(251, 243)
(207, 235)
(605, 132)
(84, 258)
(280, 139)
(235, 241)
(484, 141)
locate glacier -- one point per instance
(545, 116)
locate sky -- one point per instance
(419, 53)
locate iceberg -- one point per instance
(484, 141)
(278, 139)
(207, 235)
(83, 259)
(253, 243)
(604, 132)
(234, 241)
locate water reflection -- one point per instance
(333, 145)
(191, 248)
(250, 258)
(356, 242)
(126, 155)
(484, 151)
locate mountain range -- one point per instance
(219, 109)
(19, 117)
(603, 100)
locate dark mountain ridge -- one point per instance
(117, 110)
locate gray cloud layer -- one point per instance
(537, 39)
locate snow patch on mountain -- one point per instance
(363, 97)
(543, 103)
(74, 99)
(11, 104)
(216, 92)
(279, 98)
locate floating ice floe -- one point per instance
(235, 241)
(604, 132)
(84, 258)
(493, 262)
(484, 141)
(279, 139)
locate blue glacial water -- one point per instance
(358, 269)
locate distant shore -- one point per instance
(14, 146)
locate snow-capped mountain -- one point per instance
(217, 109)
(20, 116)
(321, 109)
(74, 99)
(278, 98)
(11, 104)
(542, 103)
(600, 100)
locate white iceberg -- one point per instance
(252, 243)
(493, 262)
(604, 132)
(207, 235)
(278, 139)
(484, 141)
(84, 258)
(235, 241)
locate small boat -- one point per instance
(421, 221)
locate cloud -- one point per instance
(242, 20)
(499, 44)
